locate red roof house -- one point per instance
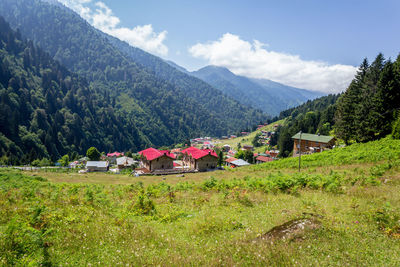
(154, 159)
(262, 159)
(200, 159)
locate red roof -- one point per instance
(230, 159)
(199, 153)
(115, 154)
(264, 159)
(152, 153)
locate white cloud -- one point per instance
(255, 61)
(101, 17)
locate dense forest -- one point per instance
(47, 111)
(368, 110)
(163, 111)
(69, 88)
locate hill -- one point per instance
(269, 96)
(164, 109)
(344, 204)
(47, 111)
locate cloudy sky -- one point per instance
(309, 44)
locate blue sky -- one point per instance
(315, 45)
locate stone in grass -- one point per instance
(291, 230)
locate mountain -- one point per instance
(269, 96)
(165, 105)
(46, 111)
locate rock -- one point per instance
(290, 230)
(180, 175)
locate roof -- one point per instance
(199, 153)
(99, 164)
(125, 160)
(152, 153)
(264, 158)
(313, 137)
(240, 162)
(115, 154)
(231, 159)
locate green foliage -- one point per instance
(64, 161)
(366, 110)
(93, 154)
(143, 205)
(396, 127)
(220, 158)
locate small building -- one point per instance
(272, 153)
(263, 159)
(125, 162)
(226, 148)
(199, 159)
(247, 147)
(231, 153)
(311, 143)
(229, 160)
(112, 157)
(239, 163)
(244, 133)
(153, 159)
(99, 166)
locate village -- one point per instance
(205, 154)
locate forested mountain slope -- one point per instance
(161, 110)
(47, 111)
(368, 110)
(269, 96)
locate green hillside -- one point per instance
(350, 195)
(162, 112)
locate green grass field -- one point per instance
(213, 218)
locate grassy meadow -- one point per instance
(212, 218)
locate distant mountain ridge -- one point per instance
(269, 96)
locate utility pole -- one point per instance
(300, 150)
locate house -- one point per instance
(124, 162)
(244, 133)
(153, 159)
(311, 143)
(229, 160)
(74, 164)
(247, 147)
(112, 157)
(263, 159)
(239, 163)
(199, 159)
(100, 166)
(272, 153)
(226, 148)
(231, 153)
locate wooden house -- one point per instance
(153, 159)
(199, 159)
(311, 143)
